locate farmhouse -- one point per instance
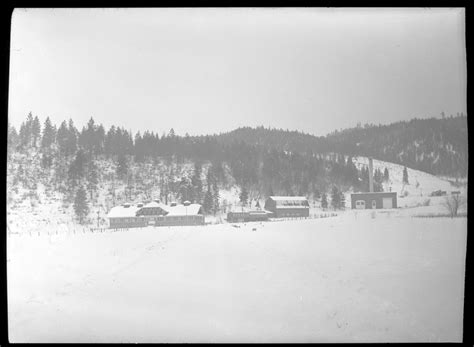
(371, 199)
(155, 213)
(287, 206)
(246, 215)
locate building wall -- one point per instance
(378, 197)
(136, 222)
(270, 205)
(236, 217)
(291, 212)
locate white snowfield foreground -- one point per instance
(352, 278)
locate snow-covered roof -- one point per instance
(155, 204)
(181, 210)
(122, 211)
(259, 212)
(290, 201)
(247, 210)
(373, 193)
(292, 206)
(288, 198)
(178, 210)
(152, 204)
(236, 209)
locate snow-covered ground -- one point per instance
(362, 276)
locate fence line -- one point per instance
(73, 229)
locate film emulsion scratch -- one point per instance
(236, 175)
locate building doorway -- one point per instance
(387, 203)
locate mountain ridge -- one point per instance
(434, 145)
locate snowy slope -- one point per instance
(353, 278)
(48, 212)
(421, 184)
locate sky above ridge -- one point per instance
(203, 71)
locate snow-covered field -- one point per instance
(362, 276)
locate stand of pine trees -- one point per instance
(66, 158)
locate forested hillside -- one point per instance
(114, 165)
(94, 168)
(435, 145)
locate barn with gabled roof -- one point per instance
(287, 206)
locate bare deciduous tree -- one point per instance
(453, 203)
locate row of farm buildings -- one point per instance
(155, 213)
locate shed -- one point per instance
(374, 200)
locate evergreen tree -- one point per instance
(324, 201)
(335, 198)
(317, 194)
(13, 138)
(92, 178)
(25, 135)
(77, 169)
(207, 203)
(48, 135)
(244, 195)
(71, 142)
(342, 201)
(197, 183)
(270, 191)
(185, 190)
(215, 197)
(80, 205)
(46, 161)
(109, 143)
(405, 175)
(122, 166)
(62, 139)
(99, 140)
(35, 131)
(139, 148)
(378, 180)
(386, 176)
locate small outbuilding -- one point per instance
(374, 200)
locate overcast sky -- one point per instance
(204, 71)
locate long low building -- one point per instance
(156, 214)
(246, 215)
(287, 206)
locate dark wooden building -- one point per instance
(287, 206)
(374, 200)
(247, 216)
